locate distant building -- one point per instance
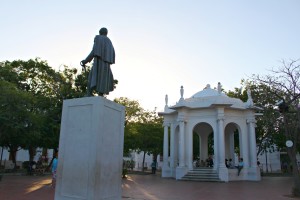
(21, 156)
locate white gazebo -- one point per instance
(210, 113)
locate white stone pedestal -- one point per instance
(90, 150)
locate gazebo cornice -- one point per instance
(221, 105)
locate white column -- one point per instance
(172, 146)
(252, 142)
(221, 142)
(181, 143)
(222, 169)
(190, 147)
(245, 148)
(166, 145)
(216, 149)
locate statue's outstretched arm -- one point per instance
(89, 58)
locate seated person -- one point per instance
(210, 162)
(230, 164)
(240, 166)
(226, 163)
(202, 163)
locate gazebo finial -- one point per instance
(219, 87)
(166, 100)
(181, 92)
(249, 102)
(207, 86)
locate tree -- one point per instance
(44, 90)
(143, 129)
(285, 84)
(267, 137)
(27, 82)
(149, 136)
(38, 91)
(133, 111)
(15, 117)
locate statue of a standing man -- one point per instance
(100, 77)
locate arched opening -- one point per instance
(196, 146)
(203, 144)
(232, 142)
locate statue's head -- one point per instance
(103, 31)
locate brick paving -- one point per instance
(18, 187)
(153, 187)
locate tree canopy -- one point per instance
(143, 129)
(268, 137)
(31, 103)
(284, 86)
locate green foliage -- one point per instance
(25, 164)
(26, 87)
(133, 110)
(15, 115)
(196, 146)
(210, 143)
(283, 86)
(149, 138)
(268, 126)
(143, 129)
(81, 81)
(31, 100)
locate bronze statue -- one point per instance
(100, 77)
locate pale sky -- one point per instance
(160, 44)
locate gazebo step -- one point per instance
(201, 180)
(202, 174)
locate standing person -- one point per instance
(100, 77)
(258, 163)
(210, 162)
(153, 165)
(54, 169)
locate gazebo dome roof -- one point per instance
(207, 92)
(209, 97)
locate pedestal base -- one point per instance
(90, 150)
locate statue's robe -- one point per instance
(101, 78)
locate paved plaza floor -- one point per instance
(153, 187)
